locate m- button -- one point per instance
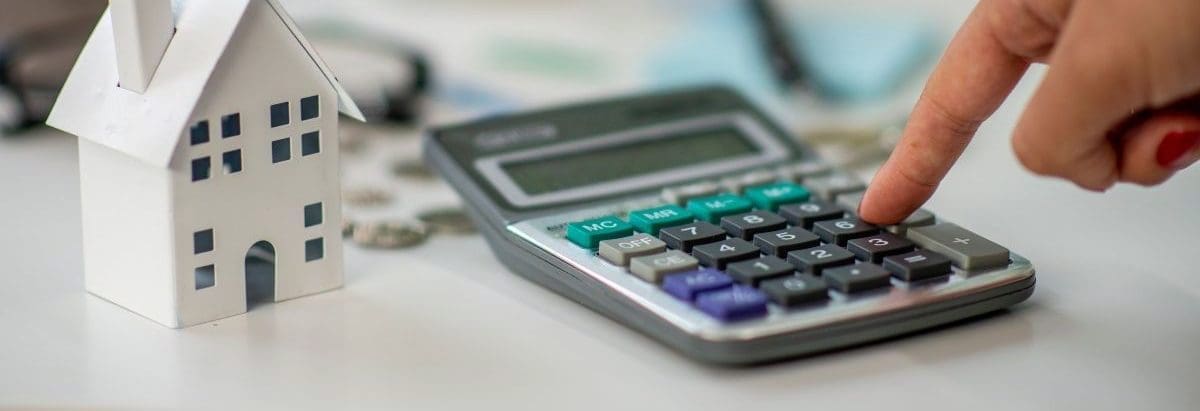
(619, 251)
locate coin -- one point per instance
(449, 220)
(389, 234)
(366, 197)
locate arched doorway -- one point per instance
(260, 274)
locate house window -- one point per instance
(199, 132)
(279, 114)
(231, 125)
(310, 143)
(201, 168)
(314, 249)
(281, 150)
(202, 241)
(232, 160)
(206, 277)
(312, 214)
(309, 108)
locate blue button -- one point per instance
(687, 286)
(733, 303)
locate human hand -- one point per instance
(1120, 101)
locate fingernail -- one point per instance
(1179, 149)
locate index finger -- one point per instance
(973, 77)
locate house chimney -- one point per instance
(141, 31)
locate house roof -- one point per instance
(149, 125)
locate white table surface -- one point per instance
(1114, 323)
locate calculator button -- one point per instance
(850, 201)
(619, 250)
(720, 253)
(779, 243)
(686, 286)
(653, 268)
(965, 249)
(919, 218)
(680, 195)
(800, 171)
(771, 196)
(755, 178)
(734, 303)
(917, 265)
(745, 226)
(711, 209)
(842, 230)
(795, 290)
(589, 233)
(651, 220)
(752, 272)
(809, 212)
(686, 236)
(856, 278)
(828, 187)
(813, 260)
(874, 248)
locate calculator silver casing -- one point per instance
(533, 245)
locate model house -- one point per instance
(207, 140)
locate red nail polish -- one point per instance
(1175, 146)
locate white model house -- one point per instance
(207, 134)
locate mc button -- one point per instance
(589, 233)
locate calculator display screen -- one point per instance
(565, 171)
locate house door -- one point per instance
(260, 274)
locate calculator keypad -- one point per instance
(775, 245)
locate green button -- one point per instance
(771, 196)
(651, 220)
(711, 209)
(589, 233)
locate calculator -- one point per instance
(692, 217)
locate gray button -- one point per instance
(965, 249)
(921, 217)
(828, 187)
(680, 195)
(849, 201)
(800, 171)
(618, 251)
(755, 178)
(653, 268)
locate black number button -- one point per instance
(875, 247)
(721, 253)
(686, 236)
(858, 277)
(805, 214)
(917, 265)
(842, 230)
(795, 290)
(755, 271)
(813, 260)
(745, 226)
(779, 243)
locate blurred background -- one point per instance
(841, 75)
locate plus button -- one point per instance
(962, 240)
